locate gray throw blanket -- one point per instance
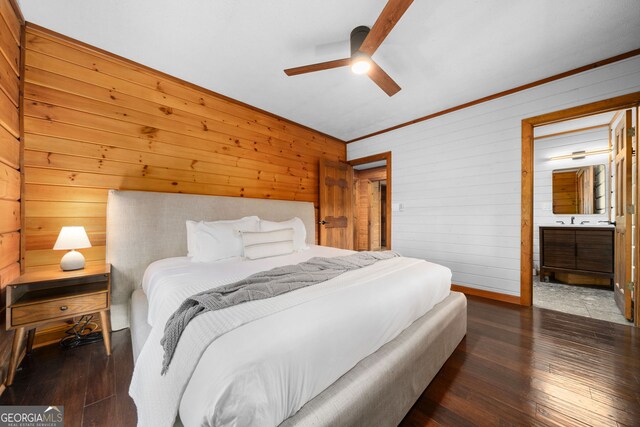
(265, 284)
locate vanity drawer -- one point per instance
(48, 310)
(594, 250)
(559, 248)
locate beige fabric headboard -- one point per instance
(143, 227)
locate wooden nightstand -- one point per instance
(43, 296)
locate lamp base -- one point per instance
(72, 260)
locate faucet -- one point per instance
(573, 218)
(584, 222)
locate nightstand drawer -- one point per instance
(68, 307)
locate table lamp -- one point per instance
(72, 238)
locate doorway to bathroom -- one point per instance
(574, 217)
(579, 211)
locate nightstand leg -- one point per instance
(18, 339)
(30, 337)
(106, 330)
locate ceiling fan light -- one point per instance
(360, 66)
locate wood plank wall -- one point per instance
(565, 192)
(10, 41)
(94, 121)
(362, 185)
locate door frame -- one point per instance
(631, 100)
(376, 158)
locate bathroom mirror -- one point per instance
(580, 190)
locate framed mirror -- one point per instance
(580, 190)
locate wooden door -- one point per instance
(623, 152)
(361, 213)
(356, 211)
(636, 292)
(336, 204)
(375, 217)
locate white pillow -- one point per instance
(263, 244)
(299, 231)
(192, 227)
(215, 240)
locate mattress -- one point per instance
(270, 375)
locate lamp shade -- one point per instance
(72, 238)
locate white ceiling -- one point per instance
(442, 52)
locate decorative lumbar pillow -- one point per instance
(216, 240)
(299, 230)
(263, 244)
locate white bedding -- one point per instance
(259, 362)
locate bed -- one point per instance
(376, 384)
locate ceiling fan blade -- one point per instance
(318, 67)
(389, 17)
(383, 80)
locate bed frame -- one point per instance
(143, 227)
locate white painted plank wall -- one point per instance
(458, 176)
(543, 169)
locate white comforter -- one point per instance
(258, 363)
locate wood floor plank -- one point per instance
(100, 413)
(123, 363)
(558, 419)
(101, 382)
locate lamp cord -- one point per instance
(81, 333)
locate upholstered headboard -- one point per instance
(143, 227)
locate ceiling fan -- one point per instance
(364, 42)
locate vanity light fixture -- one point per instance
(577, 155)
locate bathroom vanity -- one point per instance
(581, 250)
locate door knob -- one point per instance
(323, 222)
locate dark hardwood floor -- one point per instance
(535, 367)
(517, 366)
(92, 386)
